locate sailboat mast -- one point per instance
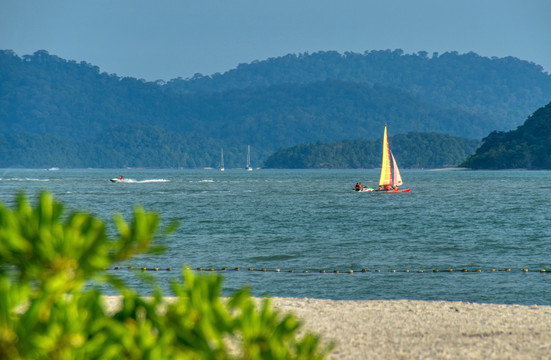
(221, 168)
(249, 158)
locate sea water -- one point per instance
(309, 224)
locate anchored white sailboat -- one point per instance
(221, 167)
(248, 167)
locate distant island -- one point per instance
(60, 113)
(415, 150)
(527, 147)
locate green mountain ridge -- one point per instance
(505, 89)
(48, 105)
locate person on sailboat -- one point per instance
(380, 188)
(396, 187)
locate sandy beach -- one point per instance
(411, 329)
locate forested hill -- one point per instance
(413, 150)
(506, 89)
(527, 147)
(55, 112)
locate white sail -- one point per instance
(396, 178)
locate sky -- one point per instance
(166, 39)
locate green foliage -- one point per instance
(55, 112)
(527, 147)
(47, 312)
(414, 150)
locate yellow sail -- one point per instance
(386, 173)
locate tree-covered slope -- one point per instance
(527, 147)
(414, 150)
(44, 94)
(503, 89)
(119, 147)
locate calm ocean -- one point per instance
(311, 220)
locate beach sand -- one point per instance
(412, 329)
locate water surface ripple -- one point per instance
(309, 220)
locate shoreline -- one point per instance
(417, 329)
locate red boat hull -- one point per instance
(398, 191)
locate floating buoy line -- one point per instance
(322, 271)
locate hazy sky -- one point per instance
(165, 39)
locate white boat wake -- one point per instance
(134, 181)
(154, 181)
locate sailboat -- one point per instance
(390, 174)
(249, 168)
(221, 167)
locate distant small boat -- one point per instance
(221, 167)
(390, 174)
(248, 167)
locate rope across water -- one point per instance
(350, 271)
